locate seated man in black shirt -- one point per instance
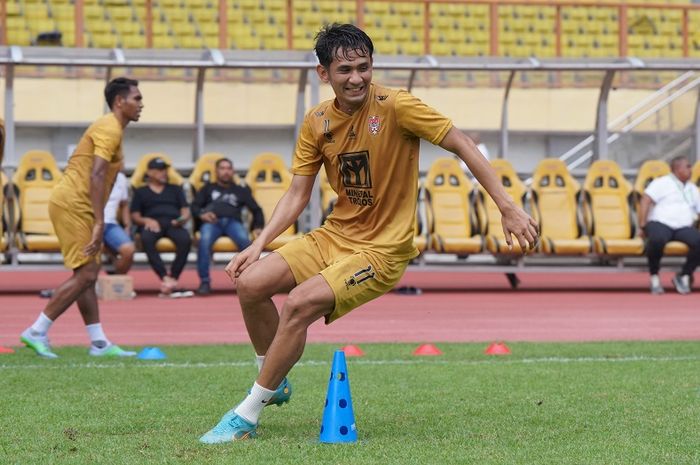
(160, 210)
(219, 206)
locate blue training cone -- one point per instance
(338, 423)
(151, 353)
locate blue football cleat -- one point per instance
(282, 394)
(231, 428)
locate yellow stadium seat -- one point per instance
(138, 178)
(163, 42)
(450, 199)
(555, 198)
(268, 179)
(650, 170)
(191, 42)
(491, 220)
(66, 12)
(422, 224)
(128, 28)
(134, 41)
(13, 9)
(16, 23)
(35, 12)
(105, 40)
(35, 178)
(609, 201)
(121, 13)
(93, 13)
(177, 15)
(19, 37)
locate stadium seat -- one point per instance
(491, 220)
(35, 178)
(609, 200)
(138, 178)
(555, 195)
(204, 170)
(650, 170)
(422, 225)
(450, 199)
(268, 179)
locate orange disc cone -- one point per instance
(6, 350)
(352, 351)
(427, 349)
(497, 348)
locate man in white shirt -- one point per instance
(667, 212)
(116, 237)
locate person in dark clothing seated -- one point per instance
(160, 210)
(219, 207)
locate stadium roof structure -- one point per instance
(206, 59)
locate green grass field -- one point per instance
(595, 403)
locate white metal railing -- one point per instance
(656, 106)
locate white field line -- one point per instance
(358, 362)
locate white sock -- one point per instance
(96, 333)
(42, 324)
(655, 281)
(259, 359)
(252, 406)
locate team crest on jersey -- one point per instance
(327, 133)
(374, 125)
(359, 277)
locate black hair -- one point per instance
(337, 38)
(223, 160)
(676, 160)
(118, 86)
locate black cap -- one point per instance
(158, 164)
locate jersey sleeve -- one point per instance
(106, 138)
(307, 158)
(419, 119)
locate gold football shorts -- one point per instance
(355, 276)
(74, 231)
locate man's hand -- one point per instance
(208, 217)
(642, 232)
(242, 261)
(149, 224)
(95, 245)
(519, 224)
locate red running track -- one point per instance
(454, 307)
